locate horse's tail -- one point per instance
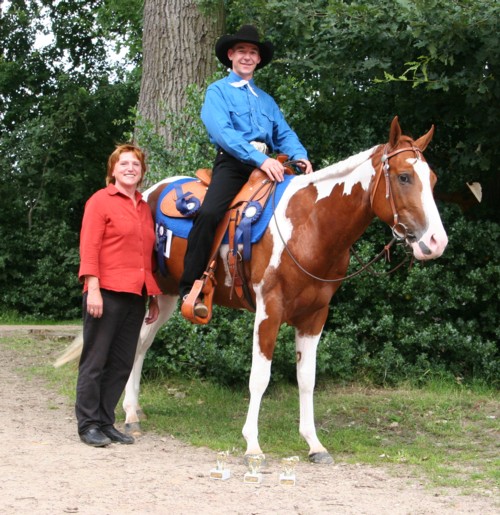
(71, 352)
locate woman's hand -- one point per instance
(94, 297)
(153, 311)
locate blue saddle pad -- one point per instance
(181, 227)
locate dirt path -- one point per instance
(47, 470)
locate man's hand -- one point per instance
(274, 169)
(305, 165)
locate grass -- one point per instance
(446, 433)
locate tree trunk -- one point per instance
(178, 50)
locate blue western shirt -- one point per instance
(234, 116)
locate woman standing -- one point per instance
(116, 256)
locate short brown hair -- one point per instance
(115, 155)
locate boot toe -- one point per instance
(95, 438)
(116, 436)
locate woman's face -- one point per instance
(127, 171)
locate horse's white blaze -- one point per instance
(433, 241)
(306, 347)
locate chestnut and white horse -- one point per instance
(299, 263)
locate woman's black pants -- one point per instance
(109, 345)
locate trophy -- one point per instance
(254, 463)
(220, 471)
(287, 477)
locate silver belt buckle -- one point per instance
(260, 146)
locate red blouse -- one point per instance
(117, 241)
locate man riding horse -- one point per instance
(245, 124)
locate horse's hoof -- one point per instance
(321, 458)
(257, 457)
(133, 429)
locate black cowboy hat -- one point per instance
(246, 34)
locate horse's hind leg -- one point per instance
(133, 412)
(306, 347)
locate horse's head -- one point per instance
(401, 193)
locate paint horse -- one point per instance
(299, 263)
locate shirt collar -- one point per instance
(113, 190)
(237, 82)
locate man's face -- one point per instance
(244, 57)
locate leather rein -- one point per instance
(399, 230)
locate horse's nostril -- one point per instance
(424, 248)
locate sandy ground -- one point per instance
(47, 470)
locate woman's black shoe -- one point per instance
(95, 438)
(115, 436)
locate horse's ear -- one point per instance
(423, 141)
(395, 133)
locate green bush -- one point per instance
(220, 350)
(48, 280)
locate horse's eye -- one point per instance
(404, 178)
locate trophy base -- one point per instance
(252, 478)
(286, 479)
(220, 474)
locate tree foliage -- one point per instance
(59, 104)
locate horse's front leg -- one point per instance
(306, 348)
(260, 375)
(259, 380)
(133, 412)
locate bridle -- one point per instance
(399, 230)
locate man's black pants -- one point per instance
(228, 177)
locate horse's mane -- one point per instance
(354, 169)
(347, 165)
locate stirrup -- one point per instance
(200, 310)
(192, 309)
